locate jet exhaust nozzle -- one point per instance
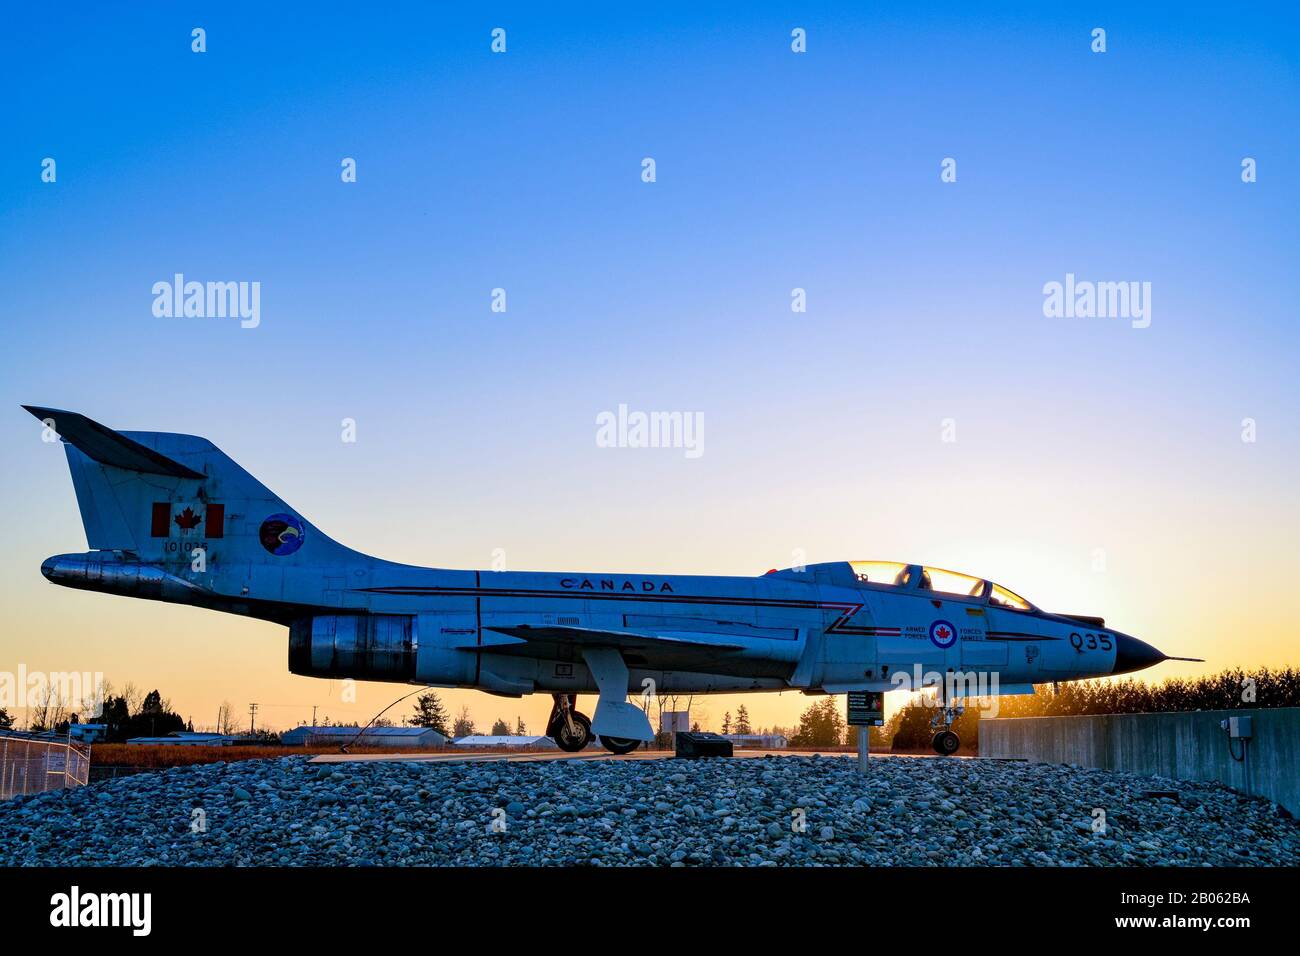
(362, 646)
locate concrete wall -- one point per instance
(1185, 746)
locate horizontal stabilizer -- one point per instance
(109, 447)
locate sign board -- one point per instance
(674, 722)
(866, 709)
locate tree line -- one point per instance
(822, 724)
(909, 728)
(125, 715)
(430, 712)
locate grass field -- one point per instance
(140, 755)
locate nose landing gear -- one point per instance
(945, 742)
(570, 730)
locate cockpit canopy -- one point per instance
(918, 577)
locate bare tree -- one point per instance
(464, 725)
(225, 718)
(131, 694)
(51, 711)
(92, 705)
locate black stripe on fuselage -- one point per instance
(840, 626)
(592, 595)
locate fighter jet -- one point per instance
(171, 518)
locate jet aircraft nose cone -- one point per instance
(47, 567)
(1133, 655)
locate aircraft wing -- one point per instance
(666, 649)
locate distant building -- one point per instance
(87, 733)
(187, 738)
(758, 741)
(487, 740)
(372, 737)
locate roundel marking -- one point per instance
(943, 634)
(281, 534)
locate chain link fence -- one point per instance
(34, 764)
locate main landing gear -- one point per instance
(945, 742)
(571, 730)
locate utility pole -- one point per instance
(252, 717)
(313, 715)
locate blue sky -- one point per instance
(774, 171)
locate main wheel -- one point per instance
(571, 741)
(619, 745)
(945, 743)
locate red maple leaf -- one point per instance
(187, 519)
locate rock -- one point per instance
(909, 812)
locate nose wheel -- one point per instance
(570, 730)
(945, 743)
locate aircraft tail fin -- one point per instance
(160, 496)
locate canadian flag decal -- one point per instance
(166, 514)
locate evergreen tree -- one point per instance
(500, 728)
(430, 713)
(742, 721)
(115, 717)
(821, 725)
(153, 719)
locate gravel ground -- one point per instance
(644, 812)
